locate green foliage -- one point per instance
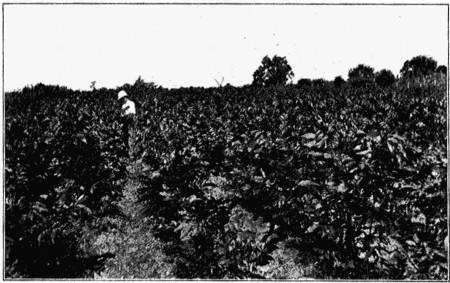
(275, 71)
(62, 172)
(418, 66)
(361, 75)
(356, 181)
(384, 78)
(338, 82)
(282, 182)
(304, 82)
(441, 69)
(318, 82)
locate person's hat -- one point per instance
(122, 94)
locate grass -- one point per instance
(138, 254)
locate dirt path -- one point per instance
(137, 253)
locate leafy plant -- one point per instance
(350, 182)
(329, 172)
(62, 172)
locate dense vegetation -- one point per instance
(329, 181)
(62, 173)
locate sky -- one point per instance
(195, 45)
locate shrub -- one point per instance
(384, 78)
(62, 172)
(361, 75)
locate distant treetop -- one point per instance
(418, 66)
(384, 78)
(442, 69)
(361, 75)
(275, 71)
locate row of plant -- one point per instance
(63, 174)
(353, 180)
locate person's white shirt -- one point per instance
(128, 108)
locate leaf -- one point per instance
(377, 139)
(81, 198)
(224, 261)
(373, 134)
(365, 152)
(181, 226)
(193, 198)
(188, 231)
(327, 156)
(310, 144)
(309, 136)
(185, 125)
(272, 242)
(210, 185)
(313, 227)
(410, 243)
(438, 253)
(85, 208)
(40, 207)
(258, 134)
(392, 140)
(315, 153)
(155, 174)
(341, 188)
(421, 219)
(307, 183)
(391, 148)
(145, 168)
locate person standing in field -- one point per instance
(127, 114)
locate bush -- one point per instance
(359, 193)
(62, 172)
(361, 75)
(384, 78)
(304, 82)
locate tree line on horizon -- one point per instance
(277, 71)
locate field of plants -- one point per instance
(252, 182)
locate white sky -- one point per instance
(192, 45)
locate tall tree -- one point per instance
(442, 69)
(361, 75)
(275, 71)
(384, 78)
(418, 66)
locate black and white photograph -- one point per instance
(225, 140)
